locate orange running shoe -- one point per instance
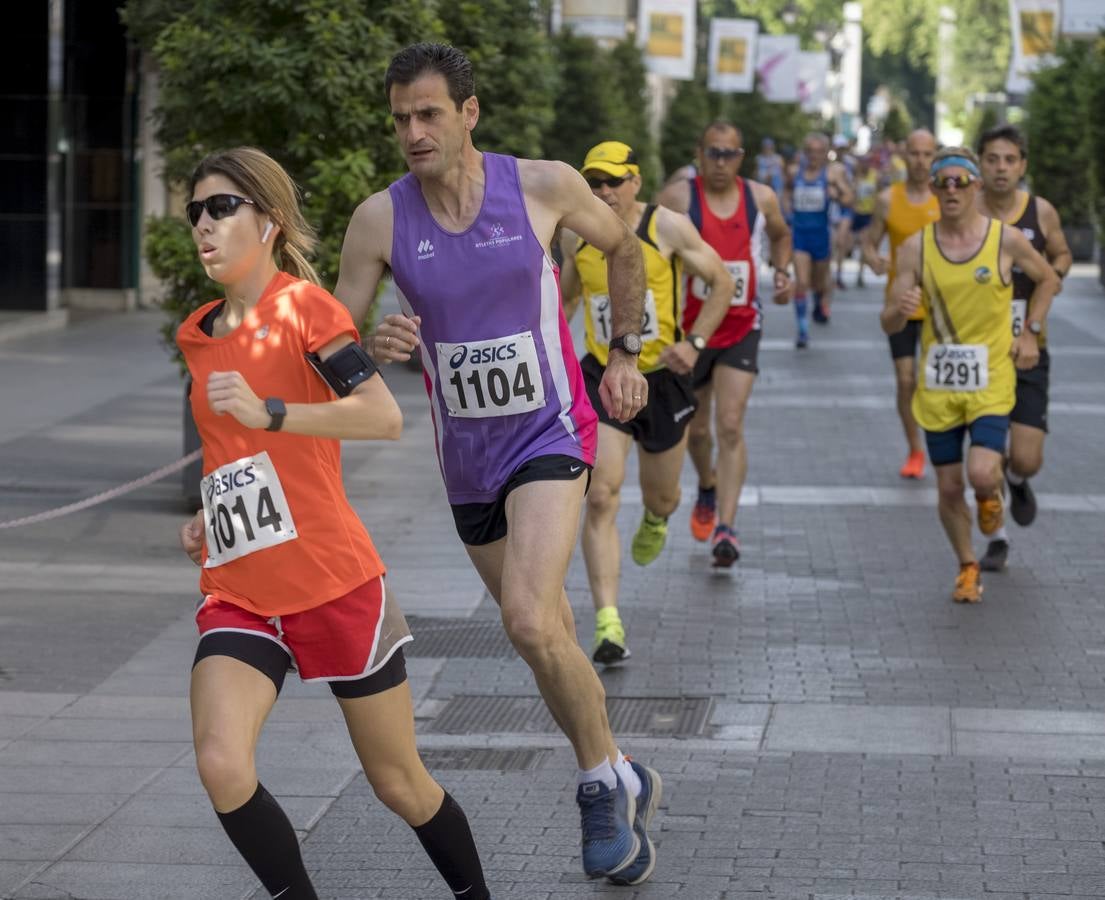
(704, 515)
(968, 586)
(914, 466)
(991, 513)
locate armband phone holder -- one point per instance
(344, 370)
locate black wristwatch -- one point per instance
(276, 408)
(628, 343)
(697, 341)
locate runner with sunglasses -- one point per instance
(959, 271)
(467, 235)
(903, 209)
(1003, 159)
(290, 576)
(733, 215)
(670, 244)
(814, 187)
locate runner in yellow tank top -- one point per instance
(669, 242)
(903, 209)
(959, 272)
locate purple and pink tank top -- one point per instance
(503, 379)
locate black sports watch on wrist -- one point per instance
(1035, 327)
(628, 343)
(276, 409)
(697, 341)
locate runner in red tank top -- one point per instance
(733, 215)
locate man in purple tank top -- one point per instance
(466, 235)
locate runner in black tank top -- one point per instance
(1003, 158)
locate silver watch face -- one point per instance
(630, 342)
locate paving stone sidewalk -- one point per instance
(827, 723)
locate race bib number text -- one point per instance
(499, 377)
(957, 367)
(245, 510)
(1020, 312)
(603, 323)
(739, 269)
(809, 198)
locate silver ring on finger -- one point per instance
(387, 341)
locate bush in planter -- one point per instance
(1095, 135)
(1059, 151)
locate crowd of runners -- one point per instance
(533, 433)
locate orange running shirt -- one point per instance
(902, 220)
(280, 536)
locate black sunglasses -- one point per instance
(719, 153)
(218, 206)
(611, 182)
(960, 182)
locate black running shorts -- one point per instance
(743, 355)
(1032, 388)
(905, 342)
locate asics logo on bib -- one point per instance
(482, 355)
(225, 482)
(947, 353)
(425, 249)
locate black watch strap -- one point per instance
(276, 409)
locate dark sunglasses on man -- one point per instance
(959, 182)
(610, 182)
(218, 206)
(722, 153)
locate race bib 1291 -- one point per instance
(497, 377)
(957, 367)
(245, 509)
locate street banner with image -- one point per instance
(1082, 18)
(777, 67)
(813, 80)
(733, 55)
(601, 19)
(1035, 25)
(666, 33)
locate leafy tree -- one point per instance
(1094, 100)
(898, 124)
(1060, 149)
(515, 73)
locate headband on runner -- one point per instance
(954, 161)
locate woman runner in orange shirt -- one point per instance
(290, 576)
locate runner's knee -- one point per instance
(403, 789)
(534, 636)
(603, 498)
(226, 769)
(730, 431)
(1026, 462)
(983, 474)
(662, 500)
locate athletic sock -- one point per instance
(654, 519)
(1000, 535)
(447, 840)
(707, 495)
(1013, 478)
(263, 835)
(630, 779)
(801, 311)
(603, 772)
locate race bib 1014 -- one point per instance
(498, 377)
(957, 367)
(245, 510)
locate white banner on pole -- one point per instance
(777, 67)
(602, 19)
(813, 80)
(666, 32)
(733, 55)
(1035, 26)
(1082, 18)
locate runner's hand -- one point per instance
(784, 288)
(1025, 350)
(191, 538)
(229, 392)
(910, 302)
(881, 265)
(395, 338)
(680, 357)
(623, 389)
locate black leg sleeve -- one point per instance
(263, 835)
(447, 840)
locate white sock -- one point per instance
(629, 778)
(1013, 478)
(999, 535)
(603, 772)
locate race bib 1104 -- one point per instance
(957, 367)
(498, 377)
(245, 510)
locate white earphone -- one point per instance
(265, 234)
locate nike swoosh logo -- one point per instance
(281, 894)
(574, 469)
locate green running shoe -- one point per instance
(649, 540)
(610, 645)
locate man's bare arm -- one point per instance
(364, 256)
(1025, 257)
(1057, 250)
(775, 225)
(874, 234)
(699, 258)
(675, 195)
(904, 298)
(571, 286)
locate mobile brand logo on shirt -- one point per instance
(425, 249)
(498, 237)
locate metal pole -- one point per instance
(55, 148)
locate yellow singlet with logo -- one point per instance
(904, 219)
(867, 191)
(966, 371)
(659, 327)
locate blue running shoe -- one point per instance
(647, 803)
(610, 842)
